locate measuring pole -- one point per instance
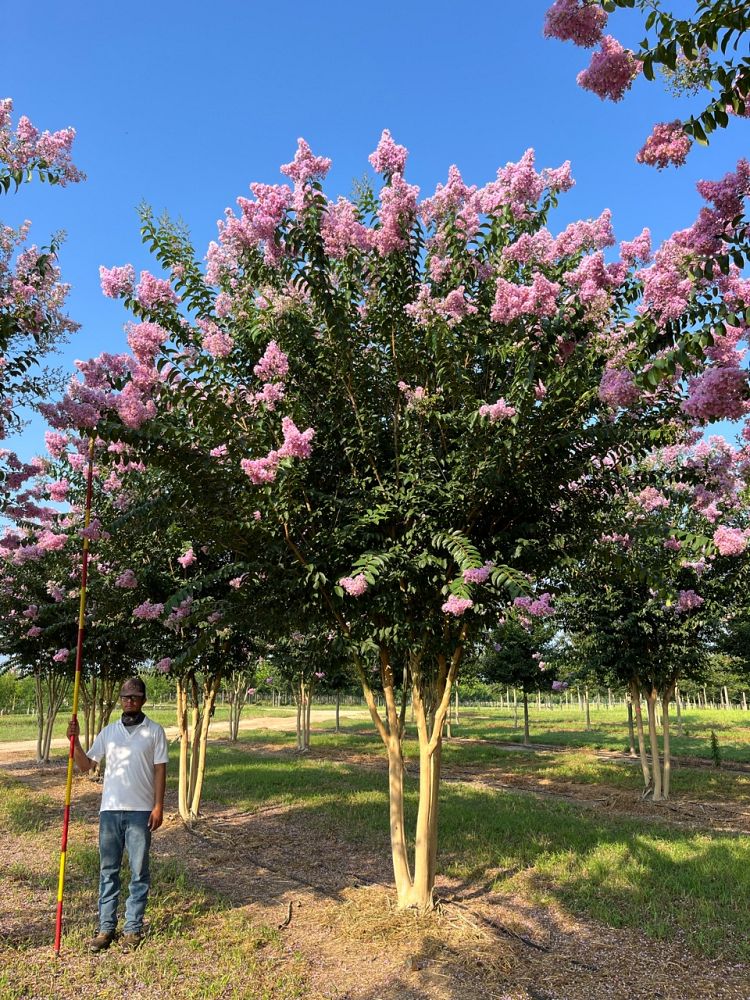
(76, 689)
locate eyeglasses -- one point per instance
(132, 697)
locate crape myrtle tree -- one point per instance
(298, 662)
(650, 598)
(32, 297)
(400, 407)
(704, 54)
(516, 651)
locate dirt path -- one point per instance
(278, 723)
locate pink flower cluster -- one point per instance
(618, 389)
(187, 558)
(152, 292)
(398, 210)
(297, 444)
(127, 580)
(389, 158)
(456, 605)
(342, 231)
(611, 71)
(479, 575)
(117, 282)
(148, 611)
(667, 144)
(145, 340)
(218, 343)
(58, 491)
(624, 540)
(688, 600)
(274, 364)
(575, 21)
(497, 411)
(718, 394)
(731, 541)
(164, 665)
(305, 167)
(61, 655)
(540, 607)
(651, 499)
(27, 148)
(513, 301)
(355, 586)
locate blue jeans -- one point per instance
(123, 830)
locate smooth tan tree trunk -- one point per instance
(515, 709)
(666, 753)
(50, 690)
(526, 739)
(631, 729)
(210, 690)
(678, 706)
(651, 701)
(587, 707)
(635, 696)
(338, 710)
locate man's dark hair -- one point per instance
(134, 684)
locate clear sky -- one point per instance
(182, 105)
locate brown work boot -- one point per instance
(129, 942)
(102, 941)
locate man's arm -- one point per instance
(156, 818)
(79, 754)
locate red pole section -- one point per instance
(76, 689)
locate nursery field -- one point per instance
(556, 879)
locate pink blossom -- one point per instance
(673, 544)
(540, 390)
(479, 575)
(618, 389)
(355, 586)
(651, 499)
(34, 632)
(497, 411)
(218, 343)
(513, 301)
(50, 541)
(688, 600)
(389, 158)
(94, 531)
(61, 655)
(667, 287)
(55, 443)
(456, 605)
(164, 665)
(273, 365)
(58, 491)
(638, 250)
(261, 470)
(117, 282)
(611, 71)
(731, 541)
(455, 306)
(575, 21)
(31, 612)
(127, 580)
(667, 144)
(342, 231)
(585, 234)
(154, 292)
(187, 558)
(145, 339)
(398, 209)
(296, 444)
(219, 451)
(717, 394)
(236, 582)
(147, 610)
(623, 540)
(132, 408)
(257, 515)
(306, 167)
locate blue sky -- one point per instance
(182, 105)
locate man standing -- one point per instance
(132, 807)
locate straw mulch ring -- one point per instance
(445, 947)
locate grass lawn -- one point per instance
(199, 947)
(620, 871)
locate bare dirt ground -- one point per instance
(334, 906)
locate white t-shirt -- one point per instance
(131, 753)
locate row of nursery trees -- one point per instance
(381, 434)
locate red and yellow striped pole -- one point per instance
(76, 689)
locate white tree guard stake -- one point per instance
(76, 689)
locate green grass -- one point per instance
(196, 941)
(667, 881)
